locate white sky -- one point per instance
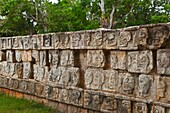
(54, 1)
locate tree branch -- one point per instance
(102, 6)
(111, 16)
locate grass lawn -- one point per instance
(14, 105)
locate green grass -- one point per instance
(14, 105)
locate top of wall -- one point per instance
(152, 36)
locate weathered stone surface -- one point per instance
(161, 87)
(76, 96)
(27, 42)
(49, 92)
(36, 42)
(2, 56)
(61, 41)
(108, 104)
(24, 86)
(17, 42)
(158, 36)
(123, 106)
(64, 95)
(27, 70)
(8, 43)
(3, 43)
(92, 100)
(163, 61)
(140, 107)
(27, 56)
(6, 68)
(73, 109)
(66, 58)
(18, 55)
(118, 59)
(46, 41)
(39, 89)
(158, 109)
(94, 79)
(112, 39)
(18, 70)
(95, 58)
(140, 61)
(10, 56)
(40, 72)
(36, 56)
(76, 40)
(43, 58)
(53, 57)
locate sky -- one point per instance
(54, 1)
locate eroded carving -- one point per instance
(43, 58)
(66, 58)
(76, 96)
(54, 57)
(112, 39)
(27, 70)
(9, 56)
(140, 108)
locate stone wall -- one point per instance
(112, 71)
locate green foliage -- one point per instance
(14, 105)
(21, 17)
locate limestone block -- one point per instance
(76, 40)
(3, 43)
(64, 95)
(31, 86)
(76, 96)
(56, 93)
(141, 36)
(49, 92)
(128, 81)
(46, 41)
(2, 55)
(55, 74)
(1, 81)
(158, 109)
(6, 68)
(66, 58)
(111, 81)
(1, 69)
(95, 58)
(158, 35)
(39, 89)
(74, 76)
(61, 41)
(18, 55)
(94, 79)
(108, 104)
(124, 106)
(16, 84)
(145, 86)
(27, 56)
(54, 57)
(27, 70)
(35, 56)
(18, 70)
(40, 72)
(163, 61)
(10, 56)
(36, 41)
(5, 82)
(92, 99)
(126, 41)
(43, 58)
(8, 43)
(12, 69)
(118, 60)
(97, 40)
(27, 43)
(24, 86)
(112, 38)
(140, 107)
(140, 61)
(17, 42)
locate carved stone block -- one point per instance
(140, 107)
(123, 106)
(74, 109)
(24, 86)
(39, 90)
(112, 39)
(10, 56)
(1, 69)
(27, 42)
(76, 96)
(6, 68)
(95, 58)
(49, 92)
(43, 58)
(158, 109)
(46, 41)
(94, 79)
(64, 95)
(17, 42)
(8, 43)
(97, 40)
(118, 60)
(140, 61)
(126, 41)
(111, 80)
(54, 57)
(3, 43)
(61, 41)
(36, 43)
(27, 56)
(35, 56)
(92, 100)
(2, 55)
(12, 69)
(74, 76)
(31, 87)
(76, 40)
(27, 70)
(18, 55)
(163, 61)
(40, 72)
(145, 85)
(158, 35)
(66, 58)
(18, 70)
(108, 104)
(16, 84)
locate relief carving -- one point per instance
(26, 42)
(161, 87)
(97, 39)
(18, 56)
(17, 43)
(18, 70)
(95, 58)
(141, 36)
(66, 58)
(76, 40)
(140, 108)
(9, 56)
(76, 96)
(158, 109)
(27, 70)
(43, 58)
(54, 57)
(112, 39)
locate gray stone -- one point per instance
(17, 42)
(27, 42)
(36, 43)
(27, 70)
(66, 58)
(18, 55)
(2, 56)
(158, 109)
(43, 58)
(36, 56)
(40, 72)
(64, 95)
(140, 107)
(10, 56)
(46, 41)
(163, 61)
(18, 70)
(54, 57)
